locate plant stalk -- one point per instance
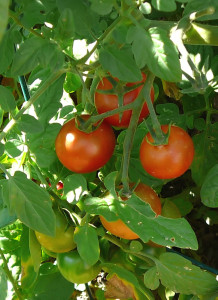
(10, 277)
(130, 133)
(14, 17)
(32, 100)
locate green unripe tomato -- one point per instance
(63, 239)
(74, 269)
(49, 253)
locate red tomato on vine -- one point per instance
(105, 102)
(171, 160)
(119, 228)
(83, 152)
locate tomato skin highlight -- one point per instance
(171, 160)
(63, 239)
(74, 269)
(119, 228)
(105, 102)
(83, 152)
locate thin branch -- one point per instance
(14, 17)
(10, 277)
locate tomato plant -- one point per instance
(120, 229)
(63, 239)
(71, 72)
(83, 152)
(74, 269)
(171, 160)
(108, 102)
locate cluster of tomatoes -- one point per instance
(84, 152)
(62, 247)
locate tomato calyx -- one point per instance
(158, 139)
(83, 124)
(123, 193)
(119, 87)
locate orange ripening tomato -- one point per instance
(83, 152)
(105, 102)
(119, 228)
(171, 160)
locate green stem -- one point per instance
(130, 133)
(32, 100)
(5, 170)
(96, 118)
(85, 219)
(103, 36)
(145, 257)
(14, 17)
(116, 241)
(10, 277)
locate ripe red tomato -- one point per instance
(105, 102)
(74, 269)
(120, 229)
(171, 160)
(59, 186)
(83, 152)
(63, 239)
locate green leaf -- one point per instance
(163, 59)
(145, 8)
(42, 145)
(163, 5)
(28, 123)
(151, 280)
(181, 276)
(1, 120)
(101, 206)
(135, 246)
(3, 284)
(86, 21)
(197, 5)
(32, 13)
(26, 57)
(51, 284)
(35, 250)
(7, 101)
(2, 149)
(120, 63)
(19, 193)
(48, 103)
(29, 275)
(102, 7)
(154, 48)
(65, 27)
(141, 40)
(4, 5)
(5, 217)
(35, 51)
(75, 186)
(14, 148)
(110, 183)
(206, 155)
(72, 82)
(209, 189)
(139, 217)
(129, 278)
(86, 238)
(170, 210)
(6, 51)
